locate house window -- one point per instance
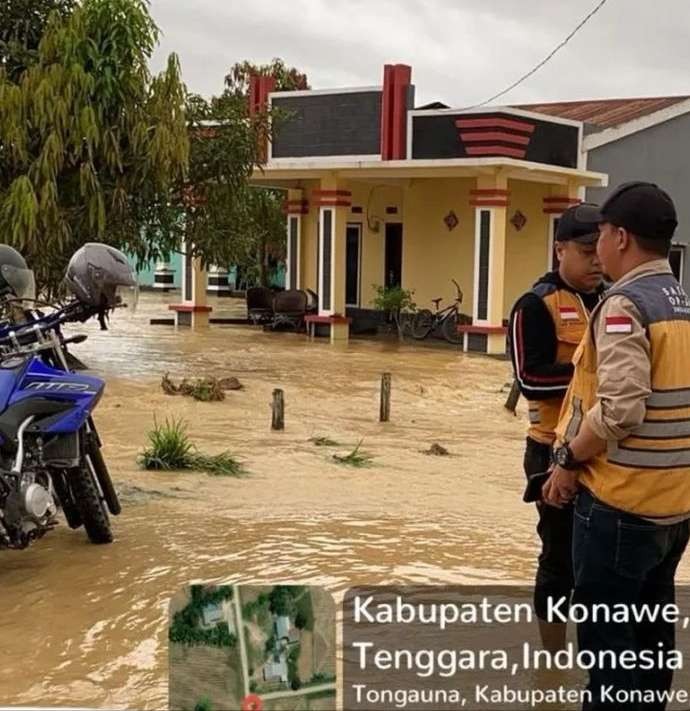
(483, 248)
(293, 253)
(677, 259)
(326, 259)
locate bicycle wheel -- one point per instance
(449, 329)
(423, 324)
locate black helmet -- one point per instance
(16, 279)
(98, 273)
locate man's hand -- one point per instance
(560, 488)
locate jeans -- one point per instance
(555, 528)
(621, 558)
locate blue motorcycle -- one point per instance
(50, 451)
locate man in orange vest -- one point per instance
(623, 439)
(547, 323)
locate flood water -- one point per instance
(84, 625)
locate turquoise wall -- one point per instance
(146, 275)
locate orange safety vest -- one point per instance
(570, 317)
(648, 472)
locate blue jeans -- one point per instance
(621, 558)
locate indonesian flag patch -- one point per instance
(619, 324)
(569, 313)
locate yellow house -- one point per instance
(380, 193)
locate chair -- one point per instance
(312, 302)
(260, 304)
(289, 309)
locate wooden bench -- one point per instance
(313, 320)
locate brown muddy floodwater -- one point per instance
(87, 626)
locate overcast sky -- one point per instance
(461, 51)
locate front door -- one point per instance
(393, 274)
(353, 260)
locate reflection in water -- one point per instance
(86, 625)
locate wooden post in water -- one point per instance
(385, 411)
(513, 397)
(278, 421)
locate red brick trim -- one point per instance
(495, 150)
(334, 319)
(557, 204)
(189, 308)
(559, 199)
(296, 207)
(489, 192)
(483, 330)
(331, 193)
(496, 122)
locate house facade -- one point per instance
(638, 139)
(381, 193)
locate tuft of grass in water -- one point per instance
(218, 465)
(169, 446)
(355, 458)
(170, 449)
(324, 442)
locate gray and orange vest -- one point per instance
(570, 317)
(648, 472)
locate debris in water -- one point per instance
(355, 458)
(205, 389)
(324, 442)
(436, 450)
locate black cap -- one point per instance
(579, 223)
(643, 209)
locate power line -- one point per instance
(543, 61)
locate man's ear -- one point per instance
(623, 239)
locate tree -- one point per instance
(217, 200)
(90, 143)
(300, 620)
(203, 705)
(22, 23)
(287, 78)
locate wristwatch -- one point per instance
(563, 457)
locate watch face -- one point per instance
(562, 456)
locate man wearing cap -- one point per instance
(547, 323)
(623, 439)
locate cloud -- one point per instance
(461, 53)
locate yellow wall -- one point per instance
(432, 254)
(526, 250)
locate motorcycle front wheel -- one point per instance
(90, 504)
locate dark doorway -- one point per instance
(393, 273)
(555, 264)
(352, 260)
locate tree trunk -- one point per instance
(263, 258)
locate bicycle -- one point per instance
(448, 319)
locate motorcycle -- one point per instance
(50, 451)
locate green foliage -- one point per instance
(304, 612)
(91, 145)
(253, 686)
(22, 24)
(203, 705)
(395, 301)
(287, 78)
(355, 458)
(227, 221)
(186, 629)
(171, 450)
(281, 600)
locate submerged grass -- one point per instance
(170, 449)
(355, 458)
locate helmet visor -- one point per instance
(127, 297)
(21, 281)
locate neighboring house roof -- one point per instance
(283, 626)
(606, 113)
(212, 614)
(276, 670)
